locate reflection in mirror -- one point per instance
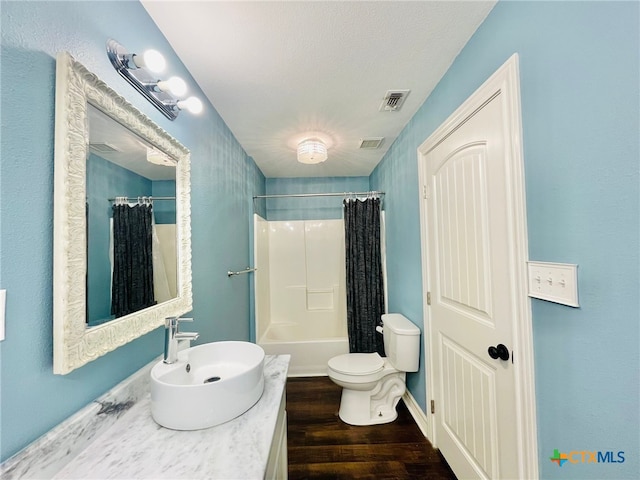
(121, 164)
(84, 183)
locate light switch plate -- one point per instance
(554, 282)
(3, 297)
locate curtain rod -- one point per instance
(344, 194)
(135, 199)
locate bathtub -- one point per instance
(309, 352)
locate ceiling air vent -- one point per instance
(371, 143)
(393, 100)
(103, 148)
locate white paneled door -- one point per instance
(473, 288)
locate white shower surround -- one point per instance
(300, 292)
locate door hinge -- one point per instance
(433, 406)
(426, 191)
(428, 298)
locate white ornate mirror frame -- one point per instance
(74, 344)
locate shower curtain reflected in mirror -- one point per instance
(132, 282)
(365, 288)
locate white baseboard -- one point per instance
(421, 418)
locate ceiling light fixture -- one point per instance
(159, 158)
(312, 151)
(136, 69)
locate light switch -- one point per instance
(554, 282)
(3, 297)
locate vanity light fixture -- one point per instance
(312, 150)
(138, 71)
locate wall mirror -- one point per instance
(106, 149)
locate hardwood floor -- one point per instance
(321, 446)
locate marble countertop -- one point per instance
(135, 447)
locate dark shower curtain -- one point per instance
(365, 292)
(132, 283)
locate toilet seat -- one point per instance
(357, 364)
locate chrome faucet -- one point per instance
(172, 335)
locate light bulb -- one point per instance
(193, 104)
(175, 85)
(151, 59)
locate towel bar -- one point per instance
(246, 270)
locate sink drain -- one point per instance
(212, 379)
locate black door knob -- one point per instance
(499, 351)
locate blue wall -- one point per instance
(224, 179)
(164, 211)
(311, 208)
(579, 73)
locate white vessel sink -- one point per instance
(209, 384)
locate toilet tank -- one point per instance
(401, 342)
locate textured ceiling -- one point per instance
(279, 72)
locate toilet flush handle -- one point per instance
(379, 329)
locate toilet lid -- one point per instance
(357, 363)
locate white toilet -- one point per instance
(372, 385)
